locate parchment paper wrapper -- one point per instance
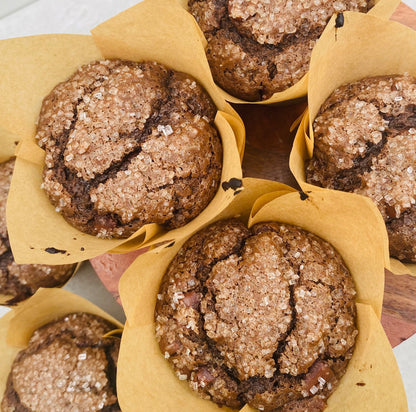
(8, 143)
(364, 46)
(383, 9)
(145, 32)
(145, 378)
(17, 326)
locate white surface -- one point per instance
(7, 7)
(60, 16)
(410, 3)
(78, 17)
(87, 284)
(406, 359)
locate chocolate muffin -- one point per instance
(257, 47)
(128, 144)
(67, 365)
(22, 281)
(365, 142)
(264, 316)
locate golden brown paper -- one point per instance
(384, 47)
(145, 378)
(30, 67)
(144, 32)
(383, 9)
(5, 298)
(399, 268)
(17, 326)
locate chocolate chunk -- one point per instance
(339, 21)
(233, 184)
(54, 251)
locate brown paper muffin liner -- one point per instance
(384, 47)
(145, 378)
(148, 31)
(8, 143)
(382, 8)
(17, 326)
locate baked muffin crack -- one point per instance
(256, 315)
(128, 144)
(365, 142)
(67, 364)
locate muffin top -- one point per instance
(264, 316)
(257, 47)
(365, 142)
(22, 281)
(128, 144)
(67, 365)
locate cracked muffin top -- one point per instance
(365, 142)
(258, 47)
(264, 316)
(22, 281)
(67, 365)
(128, 144)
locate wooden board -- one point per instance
(268, 145)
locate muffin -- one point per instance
(365, 142)
(67, 365)
(22, 281)
(129, 144)
(257, 48)
(264, 316)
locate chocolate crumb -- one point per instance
(339, 21)
(233, 184)
(54, 251)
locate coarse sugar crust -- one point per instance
(258, 47)
(264, 316)
(67, 365)
(128, 144)
(22, 281)
(365, 142)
